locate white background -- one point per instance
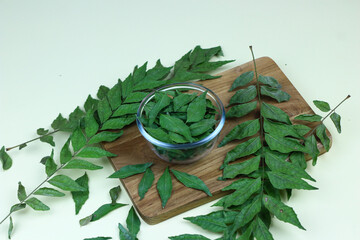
(54, 53)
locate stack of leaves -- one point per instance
(270, 162)
(180, 117)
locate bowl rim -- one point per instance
(193, 86)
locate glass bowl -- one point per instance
(187, 152)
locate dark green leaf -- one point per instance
(182, 99)
(209, 66)
(283, 144)
(175, 125)
(246, 167)
(177, 138)
(81, 164)
(189, 237)
(323, 106)
(197, 108)
(146, 182)
(158, 133)
(91, 126)
(245, 129)
(42, 131)
(5, 159)
(114, 194)
(309, 117)
(139, 73)
(280, 129)
(278, 165)
(48, 139)
(90, 104)
(21, 193)
(105, 136)
(50, 165)
(241, 110)
(238, 184)
(65, 183)
(162, 102)
(243, 149)
(301, 129)
(208, 223)
(158, 72)
(124, 109)
(312, 149)
(100, 212)
(270, 81)
(49, 192)
(244, 95)
(241, 195)
(275, 93)
(321, 134)
(36, 204)
(102, 92)
(136, 97)
(114, 96)
(298, 158)
(17, 207)
(164, 187)
(59, 123)
(336, 118)
(65, 153)
(148, 85)
(247, 213)
(284, 181)
(74, 119)
(124, 233)
(183, 76)
(242, 80)
(274, 113)
(78, 139)
(104, 110)
(191, 181)
(133, 222)
(202, 126)
(11, 228)
(94, 152)
(130, 170)
(281, 211)
(261, 231)
(98, 238)
(118, 123)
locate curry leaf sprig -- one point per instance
(270, 162)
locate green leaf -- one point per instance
(281, 129)
(274, 113)
(42, 131)
(114, 194)
(202, 126)
(322, 106)
(241, 195)
(312, 149)
(244, 95)
(136, 97)
(49, 192)
(261, 231)
(281, 211)
(298, 158)
(124, 109)
(177, 138)
(100, 213)
(105, 136)
(270, 81)
(91, 126)
(284, 181)
(209, 66)
(175, 125)
(182, 99)
(36, 204)
(164, 187)
(247, 213)
(59, 123)
(309, 117)
(80, 197)
(65, 153)
(278, 165)
(245, 167)
(114, 96)
(130, 170)
(158, 133)
(189, 237)
(164, 101)
(74, 119)
(133, 222)
(321, 134)
(245, 129)
(242, 80)
(48, 139)
(11, 228)
(50, 165)
(17, 207)
(118, 123)
(124, 233)
(98, 238)
(78, 139)
(21, 193)
(208, 223)
(94, 152)
(90, 104)
(146, 182)
(191, 181)
(275, 93)
(65, 183)
(301, 129)
(241, 110)
(139, 73)
(240, 183)
(102, 92)
(283, 144)
(244, 149)
(158, 72)
(336, 118)
(104, 110)
(5, 159)
(81, 164)
(197, 108)
(85, 221)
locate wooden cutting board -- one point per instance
(132, 148)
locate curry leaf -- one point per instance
(105, 136)
(102, 92)
(81, 164)
(118, 123)
(336, 120)
(202, 126)
(182, 99)
(133, 222)
(241, 195)
(78, 140)
(124, 233)
(247, 213)
(242, 80)
(246, 167)
(98, 238)
(91, 126)
(243, 149)
(90, 104)
(309, 117)
(49, 192)
(275, 93)
(114, 194)
(245, 129)
(197, 108)
(135, 97)
(80, 197)
(17, 207)
(104, 110)
(158, 133)
(146, 182)
(164, 101)
(11, 228)
(284, 181)
(94, 152)
(274, 113)
(164, 187)
(270, 81)
(298, 158)
(283, 144)
(48, 139)
(189, 237)
(191, 181)
(65, 153)
(101, 212)
(130, 170)
(321, 134)
(65, 183)
(241, 110)
(5, 159)
(261, 231)
(114, 96)
(323, 106)
(175, 125)
(312, 149)
(208, 223)
(244, 95)
(124, 109)
(21, 193)
(36, 204)
(281, 130)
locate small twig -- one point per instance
(32, 140)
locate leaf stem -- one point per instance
(32, 140)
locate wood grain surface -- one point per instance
(132, 148)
